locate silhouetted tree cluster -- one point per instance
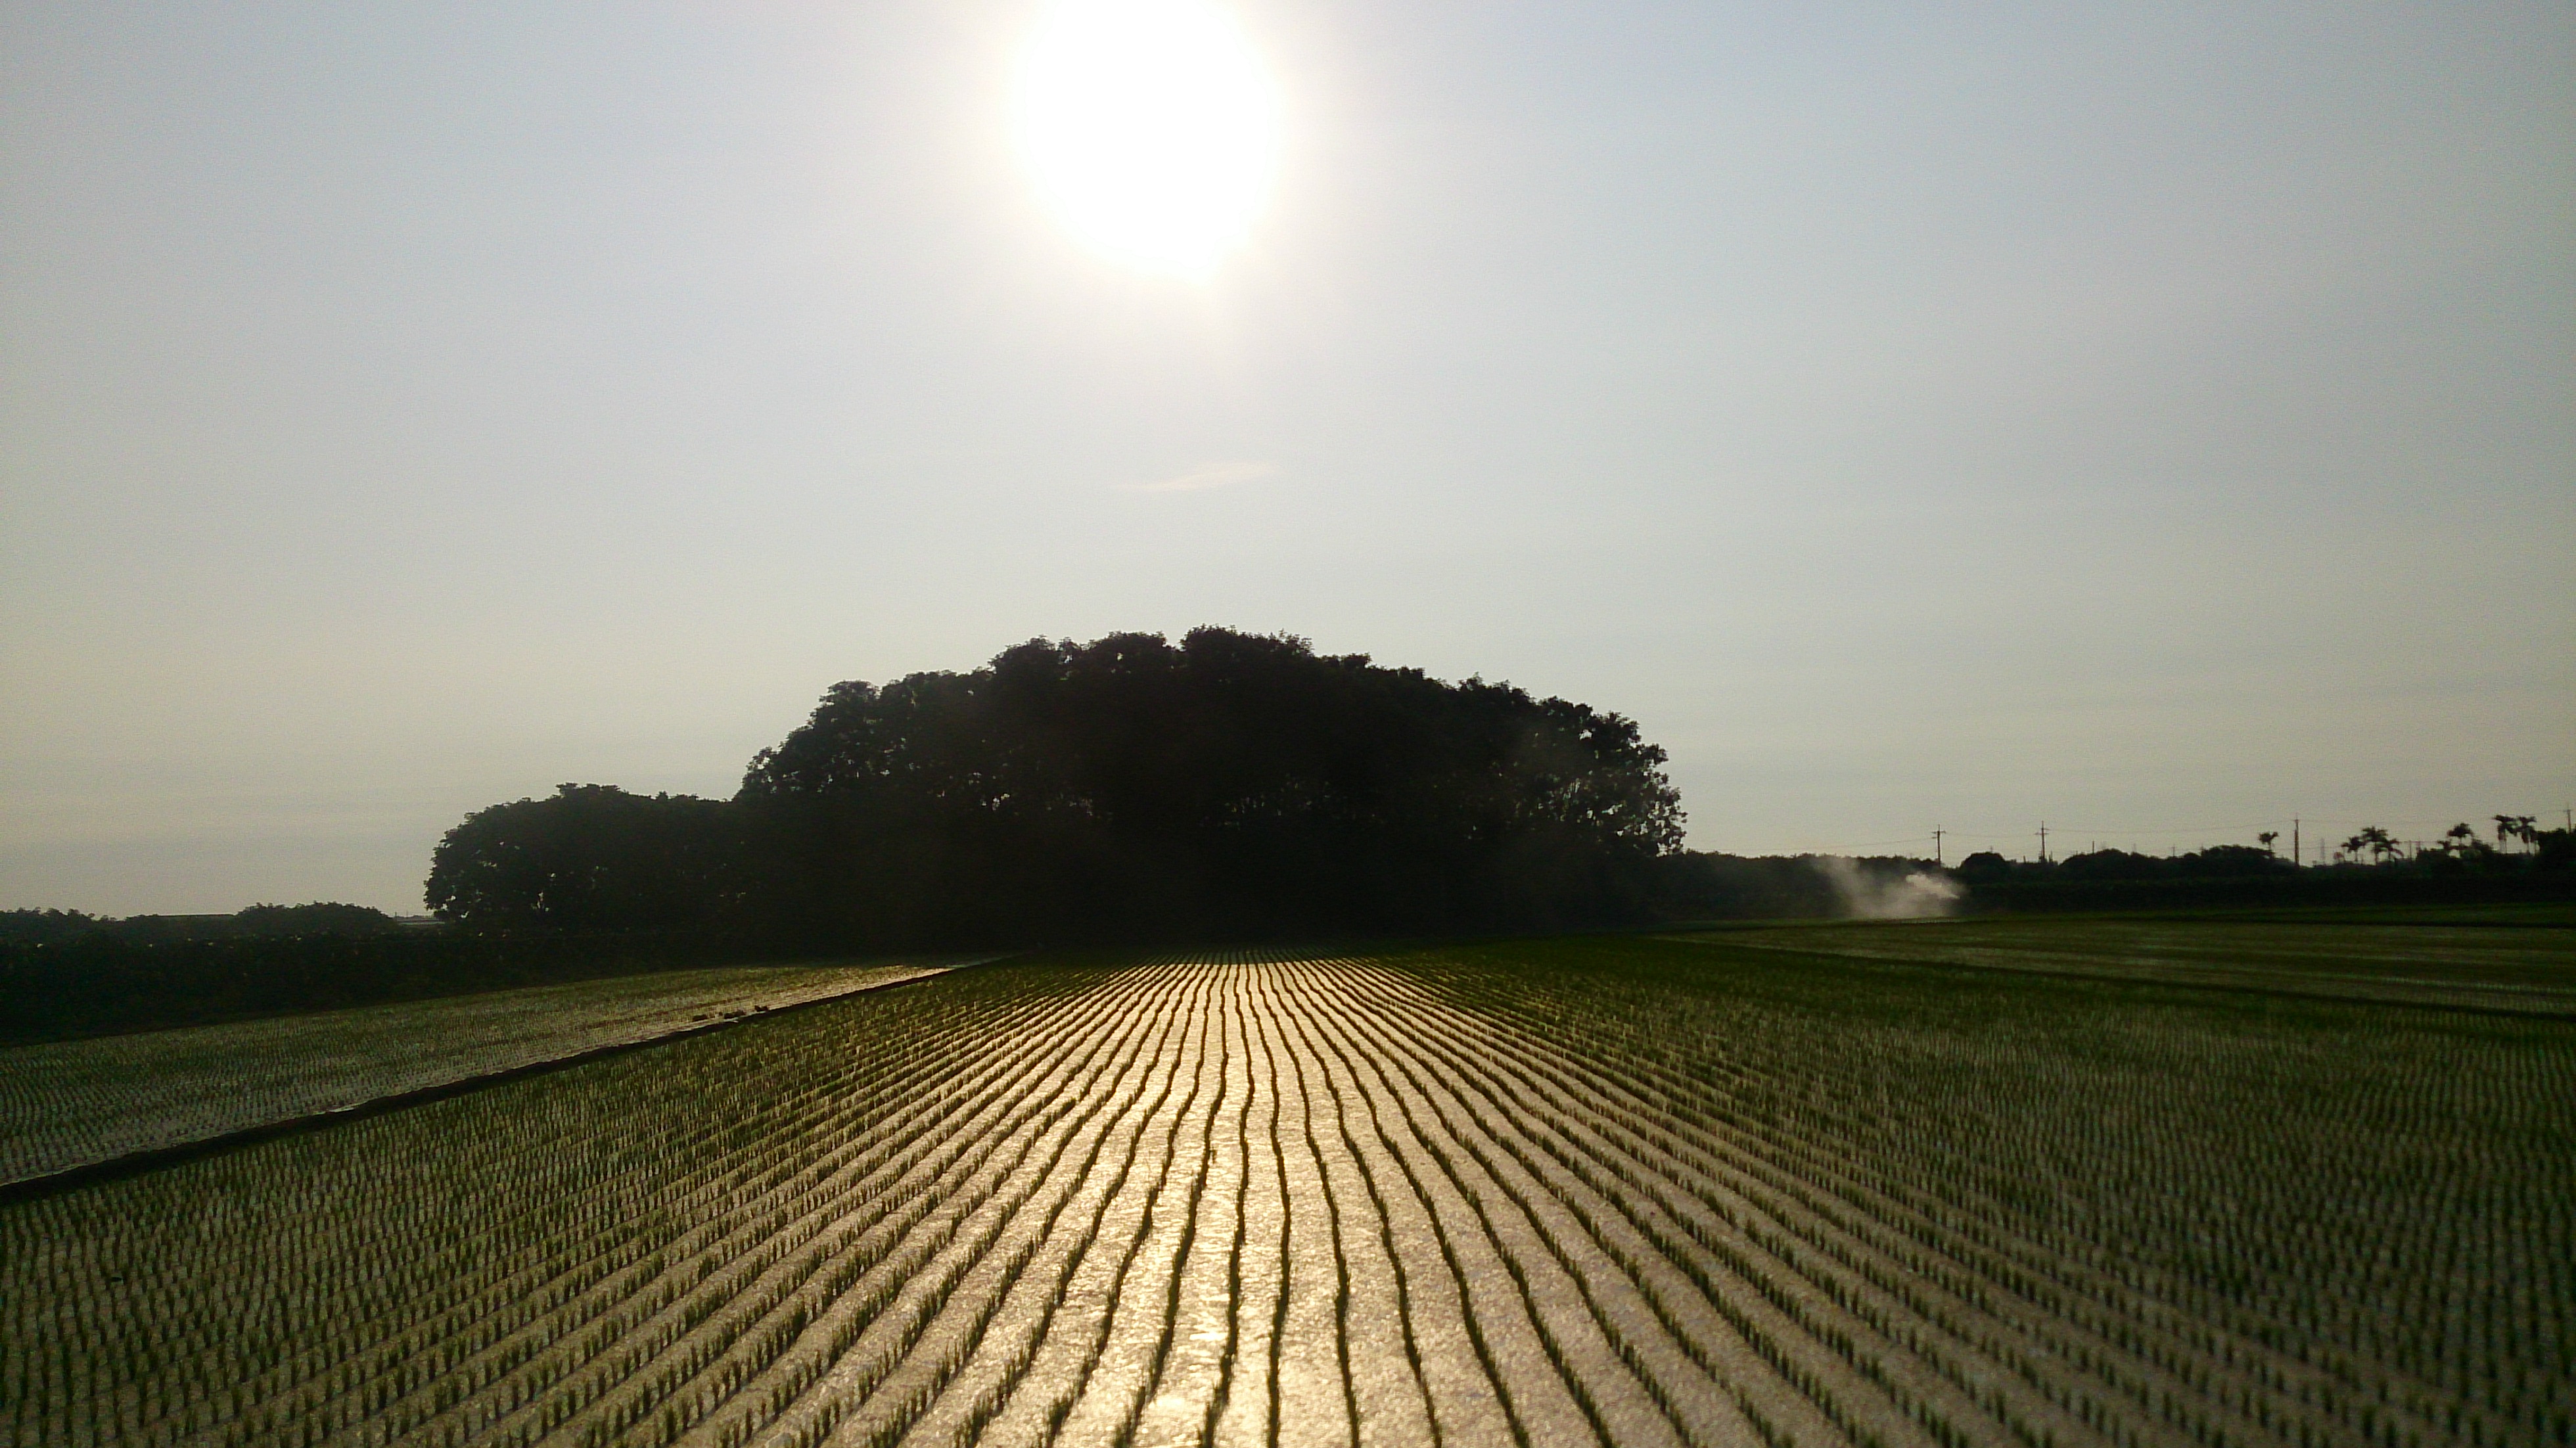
(2218, 862)
(266, 922)
(63, 972)
(2521, 847)
(1129, 788)
(2375, 868)
(591, 858)
(2521, 850)
(44, 927)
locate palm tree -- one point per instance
(2266, 838)
(2381, 846)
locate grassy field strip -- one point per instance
(1108, 1316)
(1196, 1351)
(1662, 1320)
(1551, 1324)
(1903, 1362)
(65, 1103)
(2180, 1342)
(2497, 967)
(1774, 1205)
(1027, 1286)
(737, 1269)
(1375, 1323)
(1065, 1206)
(1092, 1354)
(954, 1163)
(709, 1250)
(1625, 1173)
(1627, 1203)
(1065, 1387)
(1380, 1326)
(570, 1306)
(705, 1373)
(1387, 1106)
(886, 1379)
(2035, 1266)
(70, 1104)
(1245, 1401)
(583, 1235)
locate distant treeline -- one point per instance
(104, 983)
(2537, 864)
(67, 973)
(2462, 870)
(1126, 790)
(258, 922)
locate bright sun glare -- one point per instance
(1151, 127)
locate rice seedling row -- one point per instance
(70, 1104)
(1618, 1192)
(2520, 964)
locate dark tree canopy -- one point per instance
(1231, 784)
(590, 858)
(2218, 862)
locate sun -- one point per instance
(1151, 127)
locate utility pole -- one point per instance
(2043, 842)
(2294, 841)
(1936, 846)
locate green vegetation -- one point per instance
(1615, 1189)
(77, 1103)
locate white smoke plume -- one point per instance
(1870, 895)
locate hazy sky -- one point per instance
(2158, 419)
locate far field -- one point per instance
(67, 1104)
(2517, 958)
(1618, 1190)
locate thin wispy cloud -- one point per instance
(1222, 475)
